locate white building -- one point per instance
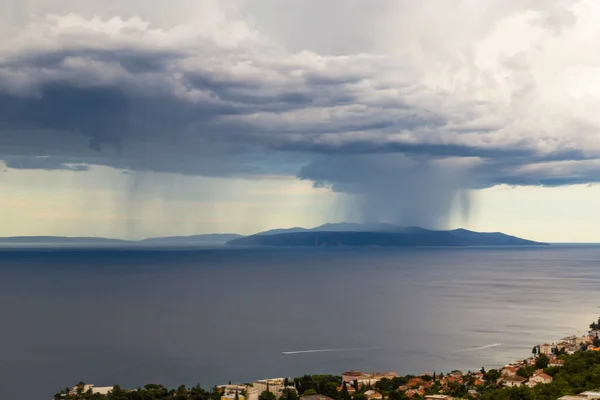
(229, 392)
(274, 385)
(546, 349)
(438, 397)
(513, 381)
(95, 389)
(591, 394)
(539, 377)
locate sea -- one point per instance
(177, 315)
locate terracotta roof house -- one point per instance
(509, 371)
(373, 395)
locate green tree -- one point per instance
(267, 395)
(309, 392)
(526, 372)
(596, 341)
(492, 376)
(384, 385)
(542, 361)
(289, 394)
(329, 389)
(396, 395)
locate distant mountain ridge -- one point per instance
(207, 239)
(60, 239)
(331, 234)
(392, 236)
(210, 238)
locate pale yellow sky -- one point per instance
(103, 202)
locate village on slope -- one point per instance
(357, 385)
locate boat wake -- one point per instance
(321, 351)
(489, 346)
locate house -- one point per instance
(513, 381)
(581, 340)
(367, 379)
(546, 349)
(349, 388)
(373, 395)
(415, 392)
(509, 371)
(438, 397)
(591, 394)
(274, 385)
(449, 379)
(232, 396)
(245, 392)
(539, 377)
(351, 376)
(104, 390)
(556, 363)
(415, 383)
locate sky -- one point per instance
(152, 118)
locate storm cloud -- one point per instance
(403, 106)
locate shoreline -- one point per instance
(545, 361)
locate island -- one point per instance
(566, 370)
(403, 237)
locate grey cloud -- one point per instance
(233, 103)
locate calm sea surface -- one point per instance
(209, 316)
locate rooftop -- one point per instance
(515, 378)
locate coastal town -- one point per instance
(555, 371)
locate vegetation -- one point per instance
(580, 373)
(267, 395)
(148, 392)
(526, 372)
(542, 361)
(322, 384)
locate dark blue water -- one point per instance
(209, 316)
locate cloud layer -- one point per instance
(403, 105)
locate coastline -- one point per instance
(531, 373)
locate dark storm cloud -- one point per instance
(212, 104)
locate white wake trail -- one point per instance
(489, 346)
(321, 351)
